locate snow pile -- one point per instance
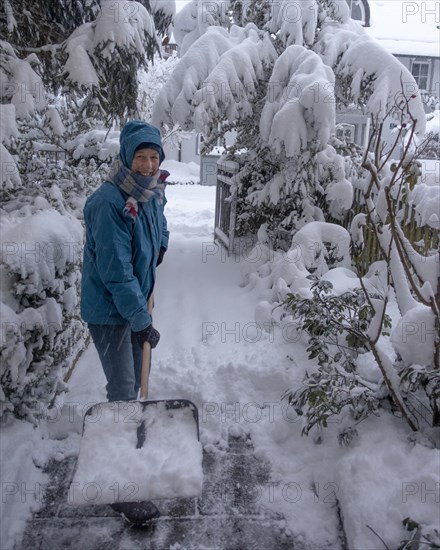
(380, 484)
(311, 241)
(112, 469)
(276, 273)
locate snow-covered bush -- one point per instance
(413, 267)
(343, 326)
(337, 326)
(410, 376)
(41, 330)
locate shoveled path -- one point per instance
(227, 516)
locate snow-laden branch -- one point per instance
(194, 20)
(427, 268)
(116, 27)
(20, 84)
(295, 22)
(174, 102)
(405, 299)
(374, 75)
(230, 87)
(79, 67)
(300, 105)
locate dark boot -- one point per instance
(137, 513)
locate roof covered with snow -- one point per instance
(406, 28)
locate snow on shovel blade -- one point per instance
(136, 451)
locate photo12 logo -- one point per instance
(250, 332)
(422, 12)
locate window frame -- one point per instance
(418, 77)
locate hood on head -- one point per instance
(133, 134)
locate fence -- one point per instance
(226, 204)
(424, 238)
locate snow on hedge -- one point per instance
(41, 329)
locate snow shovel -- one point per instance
(138, 450)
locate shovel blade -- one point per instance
(138, 450)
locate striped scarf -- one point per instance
(139, 188)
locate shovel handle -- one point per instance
(146, 358)
(145, 375)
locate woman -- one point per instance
(126, 238)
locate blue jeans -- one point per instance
(121, 359)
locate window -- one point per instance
(346, 132)
(420, 72)
(360, 11)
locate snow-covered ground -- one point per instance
(214, 352)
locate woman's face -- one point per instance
(145, 162)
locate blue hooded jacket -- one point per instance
(120, 254)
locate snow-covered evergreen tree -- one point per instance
(275, 71)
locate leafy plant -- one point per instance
(337, 326)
